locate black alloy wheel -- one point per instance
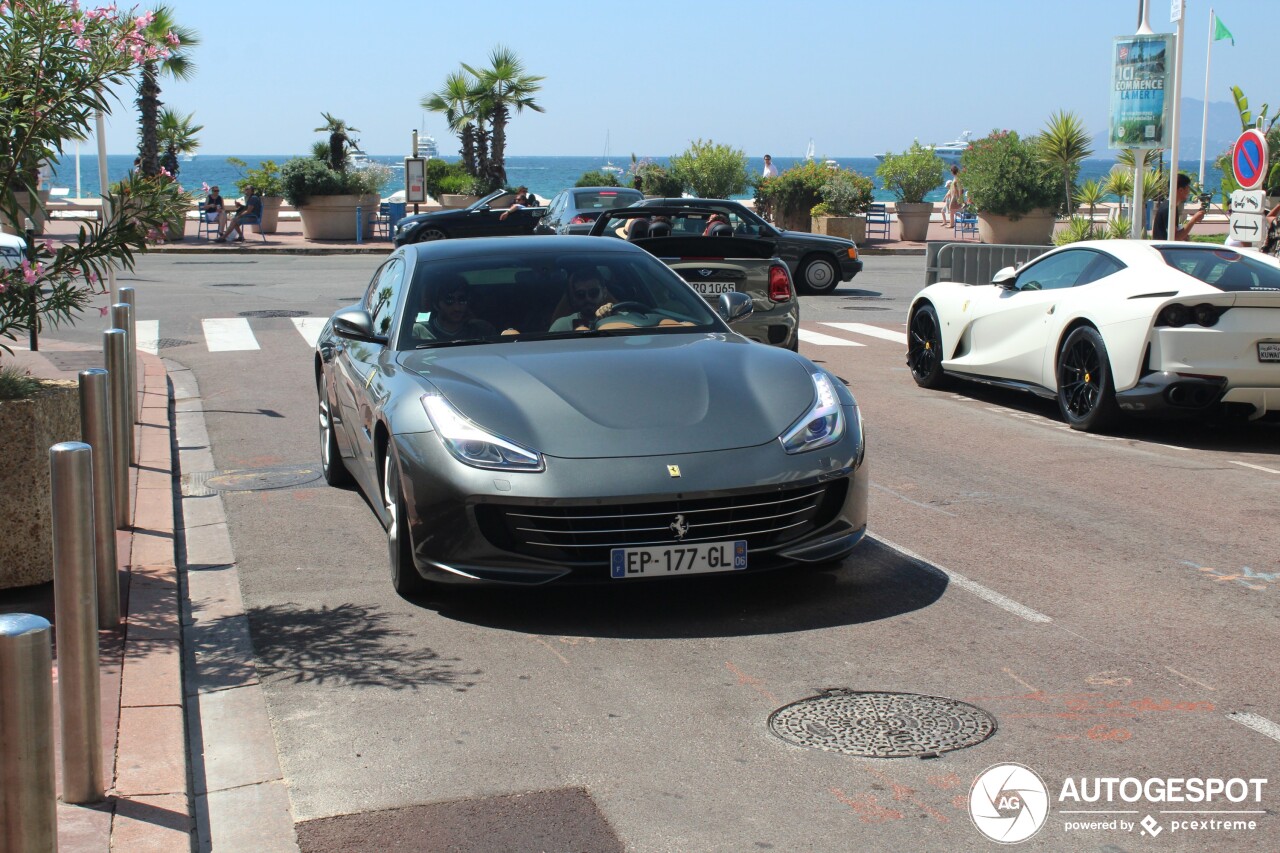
(335, 470)
(426, 235)
(1086, 394)
(818, 275)
(405, 578)
(924, 348)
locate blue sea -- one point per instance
(545, 176)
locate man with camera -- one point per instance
(1160, 227)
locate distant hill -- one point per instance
(1224, 127)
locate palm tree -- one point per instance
(177, 135)
(1062, 144)
(456, 101)
(168, 52)
(505, 86)
(1091, 192)
(340, 140)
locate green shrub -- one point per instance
(1080, 228)
(655, 180)
(453, 184)
(1209, 238)
(265, 178)
(1004, 176)
(709, 170)
(912, 174)
(791, 195)
(846, 193)
(437, 171)
(17, 383)
(304, 177)
(597, 179)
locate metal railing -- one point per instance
(973, 263)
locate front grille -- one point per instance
(583, 535)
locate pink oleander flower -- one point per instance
(31, 274)
(83, 44)
(172, 38)
(48, 246)
(144, 21)
(102, 312)
(92, 277)
(204, 188)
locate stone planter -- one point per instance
(30, 428)
(849, 227)
(270, 213)
(333, 217)
(1033, 229)
(451, 201)
(37, 215)
(913, 220)
(177, 229)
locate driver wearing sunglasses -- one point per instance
(588, 298)
(448, 300)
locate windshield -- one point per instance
(1225, 269)
(540, 295)
(584, 200)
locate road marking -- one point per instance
(309, 328)
(873, 331)
(986, 594)
(1256, 467)
(1261, 725)
(819, 339)
(564, 660)
(1189, 678)
(910, 501)
(148, 335)
(229, 334)
(1011, 674)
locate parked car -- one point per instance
(12, 248)
(1111, 327)
(718, 265)
(817, 263)
(573, 211)
(479, 220)
(650, 442)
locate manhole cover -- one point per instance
(170, 343)
(881, 725)
(250, 479)
(232, 284)
(275, 313)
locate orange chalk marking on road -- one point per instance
(1010, 673)
(944, 781)
(750, 681)
(867, 807)
(1101, 732)
(564, 660)
(905, 793)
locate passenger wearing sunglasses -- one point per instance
(589, 299)
(451, 320)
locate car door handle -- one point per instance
(1052, 308)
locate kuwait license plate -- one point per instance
(692, 559)
(714, 288)
(1268, 351)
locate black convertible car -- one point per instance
(479, 220)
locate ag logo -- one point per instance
(1008, 803)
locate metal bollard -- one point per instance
(359, 225)
(113, 343)
(129, 297)
(28, 792)
(76, 614)
(95, 429)
(122, 318)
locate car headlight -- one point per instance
(402, 227)
(472, 445)
(822, 425)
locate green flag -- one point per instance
(1221, 32)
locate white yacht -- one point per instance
(950, 151)
(357, 160)
(427, 146)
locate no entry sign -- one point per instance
(1249, 159)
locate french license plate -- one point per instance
(1268, 351)
(692, 559)
(714, 288)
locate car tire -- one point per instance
(405, 578)
(1086, 393)
(426, 235)
(331, 464)
(924, 348)
(818, 275)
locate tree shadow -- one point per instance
(874, 583)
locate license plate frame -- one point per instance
(693, 558)
(1269, 352)
(713, 288)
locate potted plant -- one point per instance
(266, 179)
(842, 212)
(326, 192)
(1009, 187)
(790, 196)
(910, 176)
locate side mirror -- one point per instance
(734, 306)
(355, 323)
(1006, 278)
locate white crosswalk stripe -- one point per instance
(148, 335)
(819, 339)
(226, 335)
(309, 328)
(873, 331)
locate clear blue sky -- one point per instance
(857, 77)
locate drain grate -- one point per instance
(170, 343)
(881, 725)
(275, 313)
(204, 483)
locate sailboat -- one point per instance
(808, 152)
(608, 166)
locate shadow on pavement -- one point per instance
(875, 583)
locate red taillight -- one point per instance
(582, 219)
(779, 283)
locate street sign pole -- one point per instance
(1177, 16)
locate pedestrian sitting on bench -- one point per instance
(250, 213)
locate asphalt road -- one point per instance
(1110, 600)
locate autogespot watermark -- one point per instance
(1010, 803)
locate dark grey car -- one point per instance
(650, 442)
(573, 211)
(818, 263)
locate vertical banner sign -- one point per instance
(415, 180)
(1141, 74)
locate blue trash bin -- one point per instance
(395, 212)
